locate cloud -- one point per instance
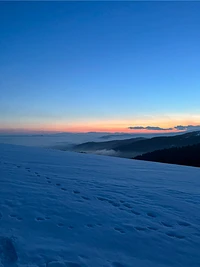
(149, 128)
(187, 128)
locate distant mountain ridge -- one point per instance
(136, 146)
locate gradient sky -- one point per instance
(99, 66)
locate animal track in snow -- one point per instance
(39, 219)
(76, 192)
(118, 229)
(182, 223)
(90, 225)
(86, 198)
(166, 224)
(175, 235)
(58, 184)
(152, 228)
(127, 205)
(140, 228)
(102, 199)
(151, 214)
(64, 189)
(113, 203)
(135, 212)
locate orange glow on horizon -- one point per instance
(109, 125)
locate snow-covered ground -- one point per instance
(65, 209)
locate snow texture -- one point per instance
(61, 209)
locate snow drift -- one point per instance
(66, 209)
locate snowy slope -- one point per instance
(66, 209)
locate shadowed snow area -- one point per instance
(65, 209)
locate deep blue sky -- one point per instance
(99, 65)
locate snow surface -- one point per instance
(65, 209)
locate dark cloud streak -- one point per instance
(187, 128)
(184, 128)
(149, 128)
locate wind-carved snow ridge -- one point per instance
(76, 210)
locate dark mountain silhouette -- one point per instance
(136, 146)
(92, 146)
(187, 155)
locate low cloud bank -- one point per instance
(149, 128)
(177, 128)
(187, 128)
(106, 152)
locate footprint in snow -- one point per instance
(86, 198)
(140, 228)
(39, 219)
(64, 189)
(135, 212)
(182, 223)
(175, 235)
(102, 199)
(113, 203)
(127, 205)
(152, 228)
(151, 214)
(76, 192)
(166, 224)
(90, 225)
(118, 229)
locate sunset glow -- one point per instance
(64, 69)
